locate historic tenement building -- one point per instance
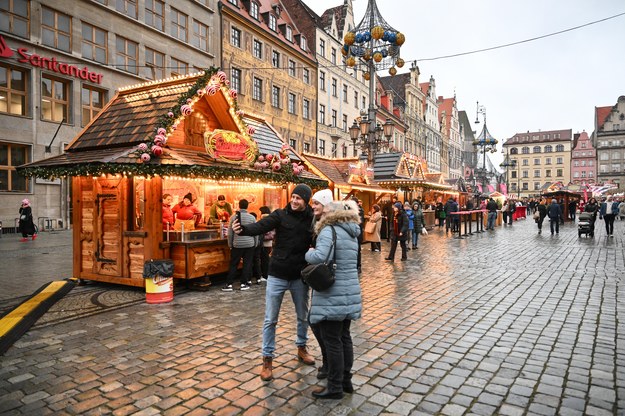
(609, 140)
(61, 61)
(583, 161)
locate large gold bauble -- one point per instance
(367, 55)
(366, 76)
(400, 39)
(377, 56)
(399, 62)
(349, 38)
(377, 32)
(351, 61)
(392, 71)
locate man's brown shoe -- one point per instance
(266, 373)
(303, 356)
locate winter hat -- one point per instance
(324, 197)
(189, 196)
(303, 191)
(25, 202)
(398, 205)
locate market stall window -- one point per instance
(138, 201)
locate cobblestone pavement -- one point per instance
(506, 322)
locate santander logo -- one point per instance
(5, 51)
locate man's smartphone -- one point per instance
(239, 217)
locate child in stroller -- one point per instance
(586, 224)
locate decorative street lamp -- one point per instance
(485, 141)
(372, 46)
(507, 163)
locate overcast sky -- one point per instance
(547, 84)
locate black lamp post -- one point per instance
(373, 45)
(507, 163)
(485, 141)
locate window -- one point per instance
(344, 148)
(583, 163)
(289, 34)
(235, 2)
(558, 172)
(155, 63)
(14, 91)
(560, 148)
(525, 186)
(333, 55)
(537, 161)
(200, 37)
(257, 91)
(334, 149)
(526, 174)
(559, 161)
(548, 161)
(94, 43)
(526, 162)
(54, 99)
(306, 109)
(15, 17)
(275, 96)
(292, 103)
(272, 22)
(356, 99)
(235, 79)
(525, 150)
(126, 55)
(307, 147)
(322, 80)
(235, 37)
(93, 100)
(275, 59)
(127, 7)
(616, 155)
(178, 25)
(179, 67)
(155, 14)
(591, 163)
(364, 102)
(536, 149)
(334, 115)
(537, 186)
(293, 144)
(254, 10)
(548, 173)
(548, 149)
(513, 174)
(335, 92)
(303, 44)
(345, 92)
(537, 173)
(306, 75)
(258, 49)
(11, 156)
(576, 174)
(322, 114)
(56, 29)
(322, 47)
(322, 147)
(576, 164)
(292, 68)
(345, 126)
(583, 145)
(514, 151)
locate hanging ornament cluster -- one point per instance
(212, 81)
(374, 42)
(279, 163)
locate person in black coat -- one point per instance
(554, 212)
(399, 232)
(26, 226)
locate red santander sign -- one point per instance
(50, 64)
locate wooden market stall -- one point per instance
(558, 191)
(177, 137)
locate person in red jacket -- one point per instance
(168, 214)
(186, 212)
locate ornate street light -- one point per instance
(371, 46)
(507, 163)
(485, 141)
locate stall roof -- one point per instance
(109, 143)
(404, 169)
(337, 171)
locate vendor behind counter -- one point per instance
(186, 213)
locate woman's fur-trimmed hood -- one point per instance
(341, 213)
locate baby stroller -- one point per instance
(586, 224)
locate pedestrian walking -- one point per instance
(504, 213)
(26, 226)
(410, 215)
(453, 219)
(608, 212)
(399, 232)
(541, 208)
(621, 210)
(419, 224)
(293, 239)
(333, 310)
(491, 207)
(372, 229)
(439, 213)
(593, 207)
(572, 209)
(554, 211)
(241, 247)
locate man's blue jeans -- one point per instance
(490, 224)
(273, 301)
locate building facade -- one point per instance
(541, 157)
(583, 161)
(272, 66)
(609, 141)
(60, 63)
(450, 135)
(433, 140)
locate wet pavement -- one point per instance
(504, 322)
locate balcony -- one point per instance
(334, 132)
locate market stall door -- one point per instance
(107, 227)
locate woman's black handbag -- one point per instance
(321, 276)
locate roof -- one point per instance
(602, 114)
(337, 171)
(397, 84)
(543, 136)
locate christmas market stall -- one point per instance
(158, 173)
(563, 195)
(407, 175)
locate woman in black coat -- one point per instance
(399, 232)
(26, 225)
